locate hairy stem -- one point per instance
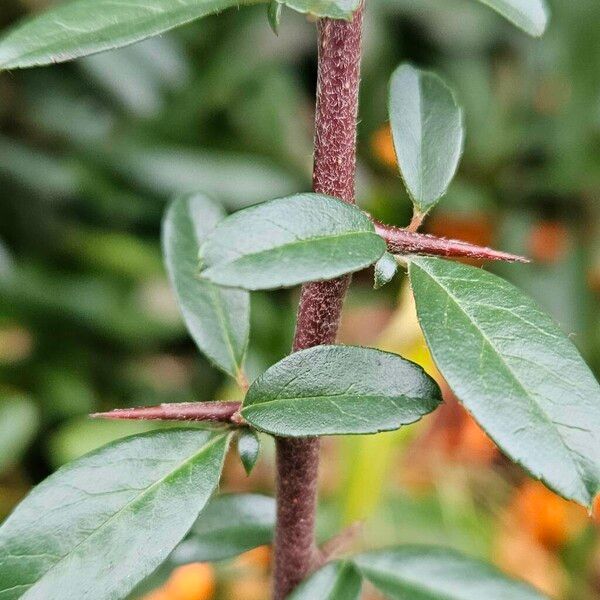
(320, 303)
(216, 412)
(403, 241)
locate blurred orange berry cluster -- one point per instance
(246, 578)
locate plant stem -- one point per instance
(217, 412)
(320, 303)
(403, 241)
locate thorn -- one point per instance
(403, 241)
(216, 412)
(340, 544)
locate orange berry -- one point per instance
(159, 594)
(475, 446)
(548, 241)
(549, 519)
(247, 588)
(383, 146)
(258, 557)
(195, 581)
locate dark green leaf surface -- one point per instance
(385, 269)
(19, 422)
(83, 27)
(230, 524)
(513, 368)
(288, 241)
(331, 390)
(98, 526)
(248, 446)
(427, 127)
(217, 318)
(335, 581)
(530, 15)
(430, 573)
(336, 9)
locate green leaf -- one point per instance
(248, 446)
(385, 269)
(335, 581)
(512, 367)
(427, 127)
(230, 524)
(98, 526)
(333, 390)
(531, 16)
(19, 422)
(274, 15)
(217, 318)
(336, 9)
(431, 573)
(288, 241)
(239, 180)
(83, 27)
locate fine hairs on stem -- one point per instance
(320, 303)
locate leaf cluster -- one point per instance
(100, 525)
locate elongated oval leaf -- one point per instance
(288, 241)
(331, 390)
(230, 524)
(98, 526)
(430, 573)
(82, 27)
(427, 127)
(217, 318)
(512, 367)
(335, 581)
(530, 15)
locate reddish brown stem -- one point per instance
(320, 303)
(403, 241)
(217, 412)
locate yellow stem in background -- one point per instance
(371, 457)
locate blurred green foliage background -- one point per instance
(91, 151)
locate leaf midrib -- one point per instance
(129, 504)
(306, 241)
(538, 407)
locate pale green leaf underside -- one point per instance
(515, 371)
(82, 27)
(217, 318)
(336, 390)
(284, 242)
(529, 15)
(334, 581)
(427, 128)
(230, 524)
(98, 526)
(430, 573)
